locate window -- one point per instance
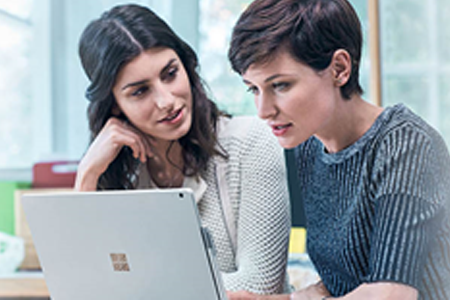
(43, 114)
(217, 18)
(15, 88)
(43, 108)
(415, 47)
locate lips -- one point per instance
(171, 116)
(280, 129)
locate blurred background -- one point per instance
(406, 58)
(42, 103)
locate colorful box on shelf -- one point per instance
(54, 174)
(297, 241)
(7, 189)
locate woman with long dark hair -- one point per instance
(153, 126)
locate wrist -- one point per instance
(86, 180)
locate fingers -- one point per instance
(134, 141)
(146, 140)
(124, 134)
(241, 295)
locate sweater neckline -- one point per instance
(362, 141)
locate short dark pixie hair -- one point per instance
(311, 30)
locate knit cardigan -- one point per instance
(250, 227)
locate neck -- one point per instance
(165, 167)
(351, 119)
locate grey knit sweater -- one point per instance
(379, 209)
(253, 180)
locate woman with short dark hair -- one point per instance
(374, 182)
(153, 126)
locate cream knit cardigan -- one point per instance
(244, 203)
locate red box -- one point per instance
(55, 174)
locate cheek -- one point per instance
(187, 92)
(182, 90)
(140, 111)
(256, 102)
(183, 85)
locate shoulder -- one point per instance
(410, 155)
(249, 139)
(241, 127)
(246, 132)
(403, 131)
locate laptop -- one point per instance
(142, 244)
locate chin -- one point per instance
(184, 128)
(288, 144)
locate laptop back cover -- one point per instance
(122, 245)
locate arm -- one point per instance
(407, 211)
(373, 291)
(407, 217)
(313, 292)
(380, 291)
(263, 224)
(105, 148)
(407, 208)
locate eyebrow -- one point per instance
(275, 76)
(141, 82)
(137, 83)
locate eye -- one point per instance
(140, 91)
(170, 74)
(280, 86)
(253, 89)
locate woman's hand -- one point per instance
(382, 291)
(244, 295)
(376, 291)
(241, 295)
(313, 292)
(105, 148)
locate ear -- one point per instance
(341, 64)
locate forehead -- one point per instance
(281, 62)
(147, 64)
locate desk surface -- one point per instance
(31, 285)
(23, 288)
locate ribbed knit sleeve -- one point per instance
(378, 210)
(263, 219)
(409, 205)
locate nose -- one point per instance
(164, 99)
(265, 106)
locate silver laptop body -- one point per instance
(145, 244)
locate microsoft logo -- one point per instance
(120, 262)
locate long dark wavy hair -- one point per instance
(107, 45)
